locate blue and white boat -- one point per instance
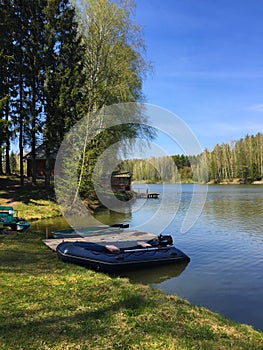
(9, 219)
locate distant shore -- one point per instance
(234, 182)
(34, 203)
(212, 182)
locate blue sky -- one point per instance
(207, 61)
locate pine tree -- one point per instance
(20, 111)
(63, 75)
(6, 52)
(34, 49)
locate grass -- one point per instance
(31, 201)
(47, 304)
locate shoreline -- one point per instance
(33, 203)
(206, 327)
(213, 182)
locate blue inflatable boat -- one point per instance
(111, 257)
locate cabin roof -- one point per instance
(40, 153)
(125, 174)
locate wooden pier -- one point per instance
(146, 195)
(153, 195)
(119, 238)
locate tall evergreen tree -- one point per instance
(34, 81)
(20, 111)
(6, 52)
(63, 75)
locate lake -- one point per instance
(225, 245)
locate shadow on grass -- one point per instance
(11, 190)
(48, 304)
(62, 324)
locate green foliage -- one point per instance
(114, 49)
(104, 142)
(6, 55)
(167, 169)
(13, 163)
(242, 160)
(57, 68)
(62, 71)
(63, 78)
(114, 66)
(40, 70)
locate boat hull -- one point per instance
(95, 256)
(21, 226)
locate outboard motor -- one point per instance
(165, 240)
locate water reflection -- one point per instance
(106, 217)
(47, 226)
(241, 206)
(155, 275)
(110, 217)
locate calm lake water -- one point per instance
(225, 246)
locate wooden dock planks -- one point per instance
(146, 195)
(120, 238)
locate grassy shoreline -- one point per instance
(47, 304)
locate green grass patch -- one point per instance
(48, 304)
(32, 202)
(38, 209)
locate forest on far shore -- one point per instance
(240, 161)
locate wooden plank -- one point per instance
(146, 194)
(120, 238)
(153, 195)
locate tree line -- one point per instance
(240, 160)
(60, 62)
(159, 169)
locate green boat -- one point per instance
(9, 219)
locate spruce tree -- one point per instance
(6, 53)
(20, 110)
(34, 81)
(63, 79)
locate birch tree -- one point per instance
(114, 68)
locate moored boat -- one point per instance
(113, 257)
(9, 219)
